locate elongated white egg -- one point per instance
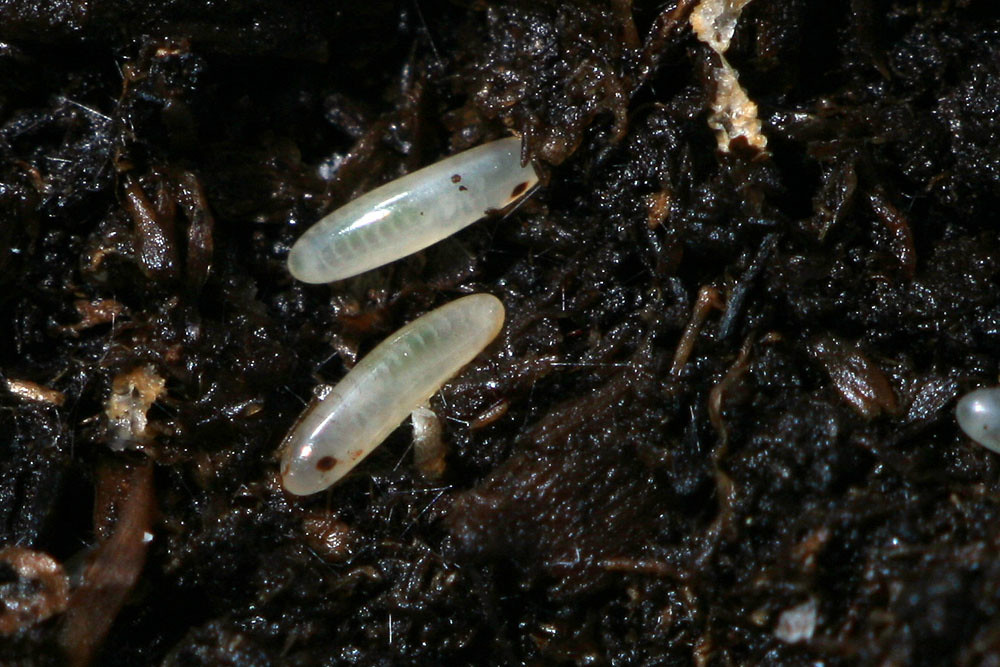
(404, 371)
(412, 212)
(978, 413)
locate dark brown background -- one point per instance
(608, 499)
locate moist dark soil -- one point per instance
(717, 428)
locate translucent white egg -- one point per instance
(412, 212)
(339, 430)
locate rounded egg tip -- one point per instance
(489, 303)
(300, 264)
(978, 415)
(300, 480)
(307, 265)
(302, 472)
(292, 484)
(490, 309)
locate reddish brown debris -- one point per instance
(659, 208)
(154, 234)
(190, 194)
(112, 570)
(329, 537)
(861, 383)
(708, 299)
(717, 395)
(95, 312)
(900, 233)
(489, 415)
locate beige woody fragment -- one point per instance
(734, 114)
(31, 391)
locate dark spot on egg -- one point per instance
(519, 189)
(462, 188)
(326, 463)
(456, 178)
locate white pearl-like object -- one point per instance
(336, 432)
(978, 413)
(412, 212)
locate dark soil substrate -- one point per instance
(717, 428)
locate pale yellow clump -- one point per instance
(132, 395)
(734, 114)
